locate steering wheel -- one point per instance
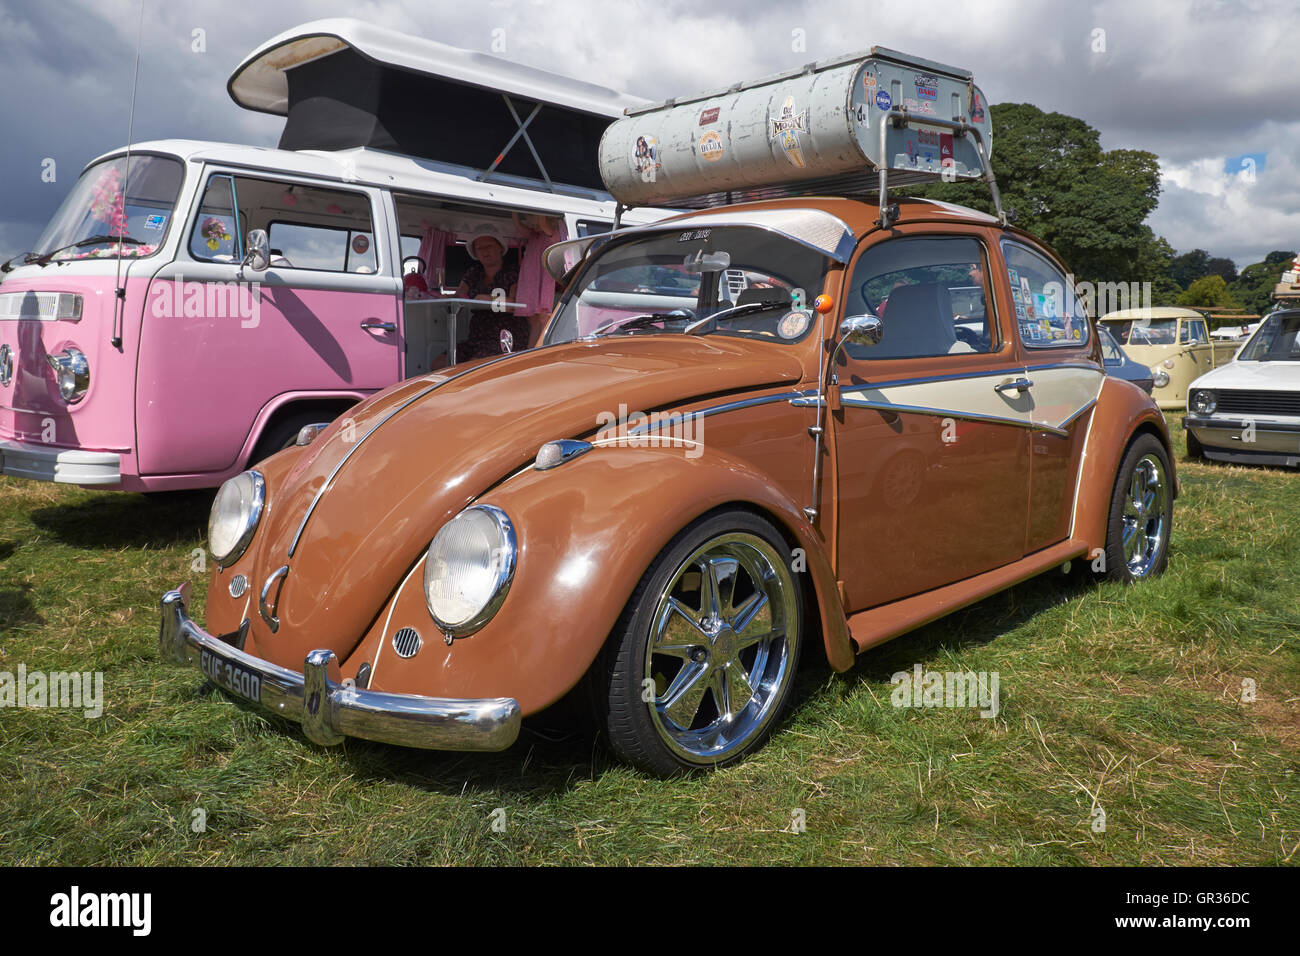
(969, 336)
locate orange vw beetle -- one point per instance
(786, 424)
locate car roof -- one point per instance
(1155, 312)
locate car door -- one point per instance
(1064, 379)
(220, 342)
(929, 429)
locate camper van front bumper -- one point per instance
(331, 712)
(71, 466)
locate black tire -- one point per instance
(1151, 523)
(640, 730)
(284, 433)
(1195, 451)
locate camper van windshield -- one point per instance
(731, 280)
(107, 208)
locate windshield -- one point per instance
(105, 207)
(1278, 340)
(732, 280)
(1145, 331)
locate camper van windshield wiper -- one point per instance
(27, 257)
(45, 258)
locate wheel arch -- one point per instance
(1122, 414)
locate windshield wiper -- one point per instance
(45, 258)
(27, 257)
(638, 321)
(710, 322)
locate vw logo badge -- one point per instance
(6, 364)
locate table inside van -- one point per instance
(449, 309)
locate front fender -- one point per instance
(1122, 410)
(587, 532)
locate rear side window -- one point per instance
(1048, 313)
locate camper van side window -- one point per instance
(592, 227)
(310, 227)
(216, 236)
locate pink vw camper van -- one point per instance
(192, 305)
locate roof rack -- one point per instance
(849, 126)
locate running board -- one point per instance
(879, 624)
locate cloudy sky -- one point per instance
(1210, 86)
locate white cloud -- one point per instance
(1190, 80)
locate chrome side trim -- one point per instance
(725, 407)
(946, 413)
(1088, 406)
(293, 546)
(271, 620)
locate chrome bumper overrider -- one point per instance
(330, 711)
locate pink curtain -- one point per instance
(433, 250)
(536, 287)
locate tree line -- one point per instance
(1091, 205)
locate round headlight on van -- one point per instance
(1204, 401)
(468, 569)
(71, 372)
(1160, 377)
(235, 514)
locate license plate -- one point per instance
(230, 676)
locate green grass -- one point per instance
(1126, 698)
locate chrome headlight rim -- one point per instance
(71, 361)
(1160, 377)
(1204, 401)
(504, 571)
(254, 518)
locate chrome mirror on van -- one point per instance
(257, 250)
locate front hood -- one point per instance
(1256, 375)
(419, 452)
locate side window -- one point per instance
(324, 248)
(1193, 331)
(1048, 314)
(216, 235)
(309, 227)
(592, 227)
(931, 293)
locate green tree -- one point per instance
(1190, 266)
(1254, 287)
(1090, 204)
(1209, 292)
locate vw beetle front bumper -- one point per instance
(331, 712)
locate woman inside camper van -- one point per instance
(488, 278)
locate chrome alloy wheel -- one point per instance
(723, 642)
(1143, 524)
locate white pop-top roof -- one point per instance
(259, 82)
(372, 167)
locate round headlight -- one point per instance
(71, 372)
(1204, 401)
(468, 570)
(234, 517)
(1160, 377)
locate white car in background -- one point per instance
(1249, 409)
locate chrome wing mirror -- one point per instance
(257, 251)
(862, 329)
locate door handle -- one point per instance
(1014, 385)
(372, 324)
